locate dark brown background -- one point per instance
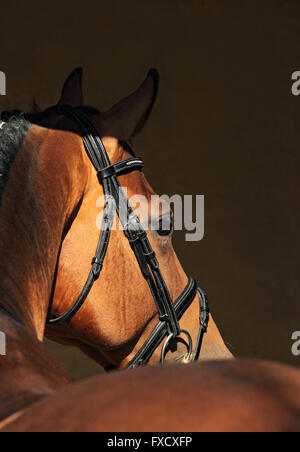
(225, 125)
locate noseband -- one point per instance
(168, 328)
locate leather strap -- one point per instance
(120, 168)
(204, 321)
(182, 303)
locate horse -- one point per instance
(49, 193)
(212, 396)
(119, 312)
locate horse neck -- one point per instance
(28, 371)
(44, 189)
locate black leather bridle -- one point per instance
(168, 328)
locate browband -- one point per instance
(120, 168)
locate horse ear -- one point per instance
(72, 90)
(127, 118)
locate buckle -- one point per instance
(97, 267)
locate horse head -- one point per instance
(119, 312)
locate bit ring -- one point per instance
(189, 346)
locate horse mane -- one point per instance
(12, 135)
(14, 131)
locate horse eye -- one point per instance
(165, 226)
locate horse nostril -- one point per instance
(165, 226)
